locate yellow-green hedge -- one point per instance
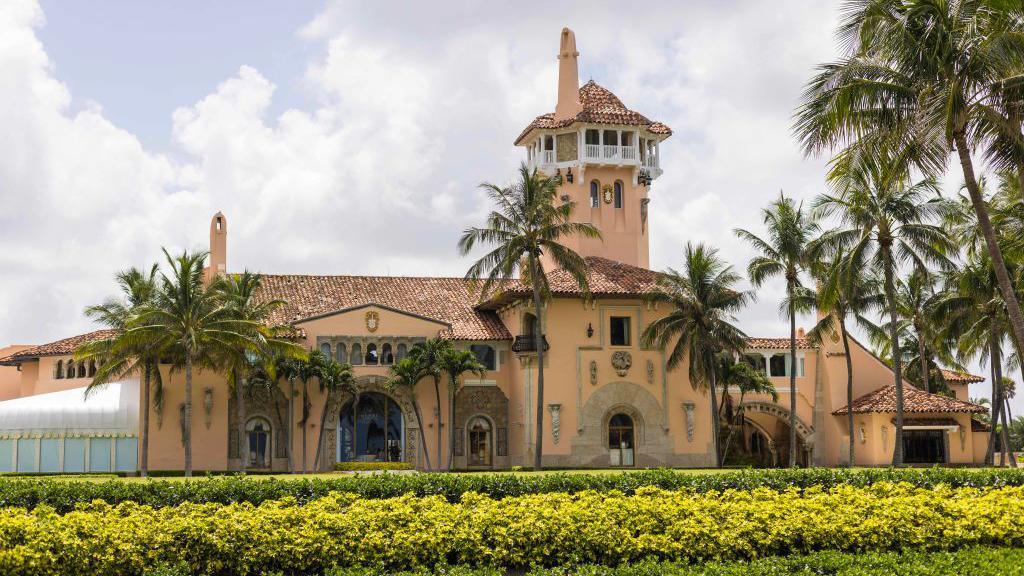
(371, 466)
(550, 529)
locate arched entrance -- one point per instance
(371, 428)
(621, 440)
(481, 442)
(761, 438)
(257, 431)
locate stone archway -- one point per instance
(653, 444)
(773, 422)
(366, 384)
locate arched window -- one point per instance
(549, 143)
(618, 194)
(386, 357)
(400, 352)
(325, 349)
(92, 368)
(71, 370)
(58, 370)
(81, 370)
(529, 325)
(620, 440)
(342, 353)
(479, 432)
(595, 193)
(371, 353)
(357, 354)
(258, 432)
(378, 434)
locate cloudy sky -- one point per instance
(349, 137)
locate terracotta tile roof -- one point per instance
(605, 278)
(62, 347)
(600, 106)
(883, 400)
(979, 426)
(447, 300)
(777, 343)
(961, 377)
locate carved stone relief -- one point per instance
(688, 408)
(622, 361)
(650, 371)
(593, 372)
(556, 420)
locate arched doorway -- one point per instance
(480, 442)
(620, 440)
(379, 431)
(257, 431)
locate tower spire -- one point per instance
(568, 78)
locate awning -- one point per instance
(112, 410)
(929, 424)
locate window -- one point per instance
(800, 365)
(777, 365)
(71, 369)
(357, 354)
(92, 368)
(618, 194)
(620, 331)
(386, 357)
(757, 361)
(485, 354)
(58, 371)
(592, 137)
(529, 325)
(257, 431)
(400, 352)
(342, 354)
(549, 143)
(611, 138)
(371, 353)
(595, 194)
(325, 349)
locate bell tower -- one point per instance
(218, 258)
(606, 157)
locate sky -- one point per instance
(346, 137)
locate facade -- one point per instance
(609, 401)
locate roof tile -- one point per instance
(915, 400)
(61, 347)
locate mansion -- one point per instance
(609, 401)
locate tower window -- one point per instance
(325, 349)
(371, 353)
(357, 354)
(620, 330)
(595, 194)
(342, 354)
(618, 194)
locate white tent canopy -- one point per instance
(112, 410)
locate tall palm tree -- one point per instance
(785, 252)
(749, 380)
(528, 222)
(241, 295)
(886, 221)
(406, 374)
(312, 367)
(118, 356)
(455, 363)
(927, 77)
(700, 324)
(334, 377)
(290, 369)
(192, 324)
(843, 293)
(430, 354)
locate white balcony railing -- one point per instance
(593, 151)
(650, 161)
(628, 153)
(548, 157)
(610, 152)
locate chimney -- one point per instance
(218, 246)
(568, 78)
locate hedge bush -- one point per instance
(371, 466)
(64, 494)
(611, 528)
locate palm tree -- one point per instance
(190, 321)
(240, 294)
(528, 223)
(118, 356)
(334, 377)
(290, 369)
(406, 374)
(843, 292)
(455, 364)
(429, 354)
(749, 380)
(886, 221)
(784, 253)
(312, 367)
(700, 324)
(927, 77)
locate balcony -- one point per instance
(528, 343)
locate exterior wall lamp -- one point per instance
(568, 175)
(590, 330)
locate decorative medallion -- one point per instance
(622, 361)
(593, 372)
(607, 193)
(372, 320)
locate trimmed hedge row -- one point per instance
(344, 530)
(64, 494)
(371, 466)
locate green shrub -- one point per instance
(408, 532)
(63, 494)
(371, 466)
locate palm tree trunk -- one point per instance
(440, 435)
(320, 437)
(419, 422)
(713, 392)
(849, 388)
(188, 412)
(792, 377)
(894, 337)
(305, 418)
(451, 422)
(1002, 410)
(144, 456)
(291, 425)
(538, 338)
(922, 353)
(994, 252)
(243, 448)
(994, 418)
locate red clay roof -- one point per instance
(447, 300)
(961, 377)
(600, 106)
(605, 278)
(777, 343)
(62, 347)
(883, 400)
